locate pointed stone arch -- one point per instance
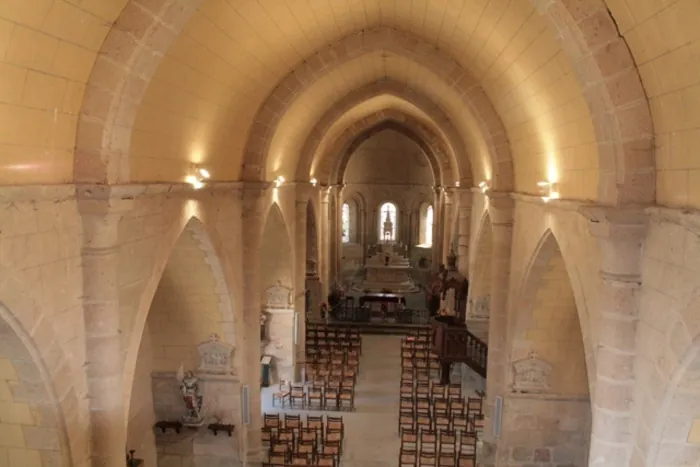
(31, 406)
(453, 142)
(186, 301)
(550, 382)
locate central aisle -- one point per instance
(372, 437)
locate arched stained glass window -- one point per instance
(428, 235)
(387, 222)
(346, 222)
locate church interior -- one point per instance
(349, 233)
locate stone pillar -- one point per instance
(362, 232)
(437, 218)
(620, 233)
(464, 219)
(299, 281)
(501, 212)
(338, 231)
(253, 206)
(101, 211)
(324, 248)
(448, 219)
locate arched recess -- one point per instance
(276, 270)
(387, 86)
(476, 102)
(352, 138)
(426, 222)
(190, 304)
(32, 425)
(547, 337)
(478, 307)
(311, 240)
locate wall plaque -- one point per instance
(215, 356)
(278, 296)
(531, 375)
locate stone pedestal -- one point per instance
(199, 448)
(280, 342)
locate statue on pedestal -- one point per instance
(191, 394)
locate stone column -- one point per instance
(253, 206)
(324, 247)
(362, 232)
(338, 231)
(501, 212)
(448, 219)
(300, 274)
(101, 211)
(620, 233)
(437, 210)
(464, 219)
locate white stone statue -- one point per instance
(388, 227)
(447, 304)
(191, 394)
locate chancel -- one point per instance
(352, 233)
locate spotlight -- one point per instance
(279, 181)
(548, 190)
(313, 181)
(204, 173)
(457, 183)
(484, 186)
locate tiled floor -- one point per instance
(371, 431)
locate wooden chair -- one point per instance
(474, 405)
(271, 420)
(424, 422)
(292, 422)
(467, 444)
(308, 435)
(276, 458)
(333, 437)
(315, 396)
(426, 459)
(307, 448)
(335, 424)
(346, 399)
(409, 440)
(454, 391)
(446, 460)
(326, 460)
(448, 442)
(408, 458)
(300, 459)
(460, 422)
(266, 434)
(466, 460)
(406, 420)
(437, 391)
(428, 441)
(441, 421)
(297, 395)
(316, 424)
(331, 448)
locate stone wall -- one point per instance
(280, 345)
(541, 432)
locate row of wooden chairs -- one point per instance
(330, 370)
(321, 394)
(412, 458)
(442, 441)
(293, 443)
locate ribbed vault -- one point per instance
(387, 95)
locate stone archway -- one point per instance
(32, 426)
(479, 302)
(549, 387)
(277, 285)
(191, 303)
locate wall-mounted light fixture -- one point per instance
(197, 178)
(313, 181)
(548, 190)
(279, 181)
(484, 186)
(457, 183)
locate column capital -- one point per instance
(620, 232)
(501, 208)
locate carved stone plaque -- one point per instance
(278, 296)
(531, 375)
(215, 356)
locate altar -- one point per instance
(388, 269)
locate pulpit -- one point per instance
(453, 343)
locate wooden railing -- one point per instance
(453, 343)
